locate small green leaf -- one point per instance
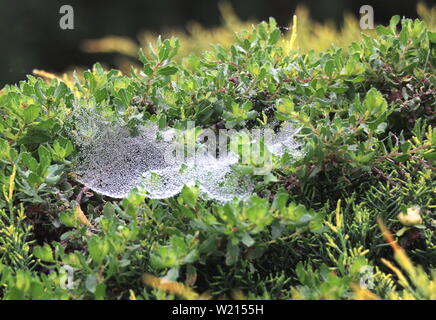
(31, 113)
(394, 21)
(247, 240)
(328, 68)
(190, 195)
(44, 253)
(274, 36)
(167, 71)
(91, 282)
(232, 253)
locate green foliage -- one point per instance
(367, 119)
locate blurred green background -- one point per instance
(31, 37)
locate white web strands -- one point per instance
(159, 163)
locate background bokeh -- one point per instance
(31, 37)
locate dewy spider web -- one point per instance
(112, 161)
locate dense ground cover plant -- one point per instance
(309, 230)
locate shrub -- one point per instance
(367, 123)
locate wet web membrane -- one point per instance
(112, 161)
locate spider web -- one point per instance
(112, 161)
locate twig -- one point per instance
(81, 193)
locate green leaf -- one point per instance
(232, 253)
(274, 36)
(68, 218)
(394, 21)
(209, 245)
(383, 31)
(44, 253)
(167, 71)
(44, 156)
(190, 195)
(247, 240)
(100, 291)
(97, 248)
(31, 113)
(142, 57)
(39, 92)
(375, 103)
(329, 67)
(91, 282)
(432, 36)
(429, 155)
